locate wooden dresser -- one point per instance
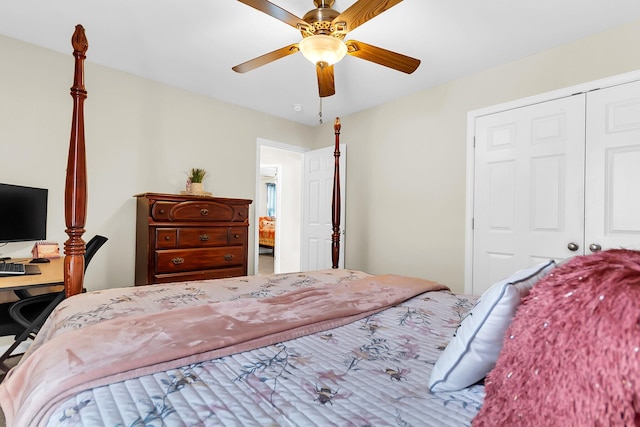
(180, 237)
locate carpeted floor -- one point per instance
(265, 264)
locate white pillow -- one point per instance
(474, 348)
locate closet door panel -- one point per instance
(612, 198)
(528, 195)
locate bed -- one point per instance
(368, 372)
(331, 347)
(267, 231)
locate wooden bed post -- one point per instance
(335, 202)
(75, 196)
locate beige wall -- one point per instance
(406, 159)
(141, 137)
(406, 163)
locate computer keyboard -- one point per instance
(12, 268)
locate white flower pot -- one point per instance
(197, 188)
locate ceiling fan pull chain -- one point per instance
(320, 112)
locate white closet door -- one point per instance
(613, 168)
(529, 187)
(317, 227)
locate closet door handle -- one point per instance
(573, 247)
(594, 247)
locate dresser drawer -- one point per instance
(219, 273)
(199, 237)
(197, 211)
(195, 237)
(237, 235)
(176, 260)
(166, 238)
(192, 237)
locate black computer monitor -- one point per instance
(23, 213)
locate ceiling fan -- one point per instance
(323, 31)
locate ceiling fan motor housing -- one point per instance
(321, 20)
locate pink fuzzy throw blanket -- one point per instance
(571, 356)
(136, 345)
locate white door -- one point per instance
(613, 168)
(316, 247)
(528, 195)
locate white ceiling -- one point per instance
(193, 44)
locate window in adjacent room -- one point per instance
(271, 199)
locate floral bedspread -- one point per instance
(372, 372)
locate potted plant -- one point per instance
(196, 176)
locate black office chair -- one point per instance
(8, 326)
(30, 313)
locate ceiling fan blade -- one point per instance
(381, 56)
(326, 84)
(362, 11)
(266, 58)
(276, 12)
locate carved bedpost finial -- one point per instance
(337, 125)
(79, 40)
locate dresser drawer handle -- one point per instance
(240, 213)
(236, 236)
(162, 211)
(177, 260)
(204, 211)
(228, 257)
(204, 238)
(167, 238)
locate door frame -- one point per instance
(523, 102)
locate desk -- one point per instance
(52, 273)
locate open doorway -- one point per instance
(282, 165)
(267, 217)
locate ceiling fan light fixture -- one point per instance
(323, 48)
